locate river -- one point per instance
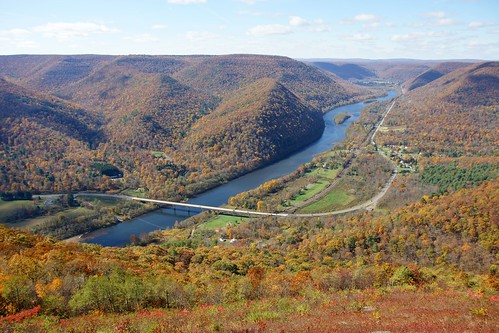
(164, 218)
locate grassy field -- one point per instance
(13, 210)
(141, 193)
(30, 222)
(322, 179)
(158, 154)
(104, 201)
(324, 173)
(335, 199)
(7, 207)
(221, 221)
(310, 191)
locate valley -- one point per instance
(338, 224)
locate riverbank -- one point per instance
(164, 218)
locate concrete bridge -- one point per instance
(370, 204)
(230, 211)
(242, 212)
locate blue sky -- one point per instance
(375, 29)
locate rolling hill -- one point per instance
(433, 73)
(123, 110)
(454, 115)
(259, 123)
(427, 266)
(393, 70)
(44, 140)
(346, 71)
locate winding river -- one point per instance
(164, 218)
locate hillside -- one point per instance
(396, 71)
(280, 270)
(141, 110)
(433, 73)
(258, 124)
(453, 116)
(223, 74)
(346, 71)
(432, 257)
(45, 142)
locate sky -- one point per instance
(373, 29)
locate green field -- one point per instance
(30, 222)
(70, 214)
(334, 200)
(104, 201)
(324, 173)
(141, 193)
(221, 221)
(308, 193)
(14, 210)
(8, 206)
(158, 154)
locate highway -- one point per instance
(369, 205)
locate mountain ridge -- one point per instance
(150, 103)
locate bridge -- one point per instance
(238, 212)
(228, 211)
(370, 204)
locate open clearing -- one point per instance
(221, 221)
(309, 192)
(335, 199)
(392, 128)
(11, 210)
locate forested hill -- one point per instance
(141, 114)
(263, 121)
(433, 73)
(455, 115)
(345, 71)
(393, 70)
(19, 105)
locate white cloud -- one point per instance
(364, 17)
(372, 25)
(314, 26)
(445, 21)
(159, 26)
(18, 38)
(439, 19)
(359, 37)
(269, 29)
(319, 26)
(370, 21)
(186, 2)
(142, 38)
(417, 35)
(195, 36)
(435, 15)
(26, 44)
(65, 31)
(401, 38)
(296, 21)
(477, 24)
(13, 33)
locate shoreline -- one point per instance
(213, 197)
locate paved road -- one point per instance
(369, 205)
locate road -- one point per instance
(369, 205)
